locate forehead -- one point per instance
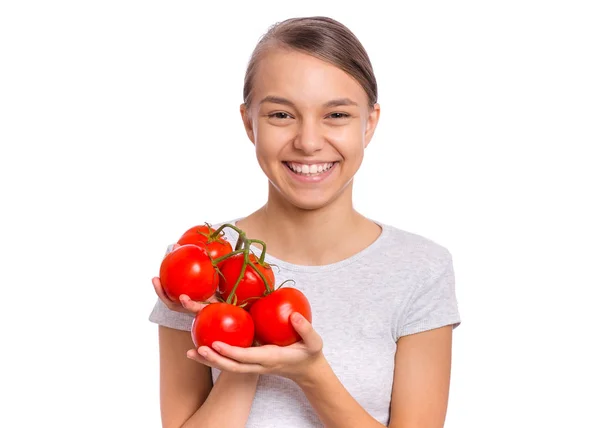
(304, 79)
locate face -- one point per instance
(310, 123)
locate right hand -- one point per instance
(185, 304)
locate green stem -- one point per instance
(240, 241)
(245, 302)
(243, 246)
(226, 256)
(264, 249)
(231, 226)
(246, 250)
(287, 280)
(264, 280)
(241, 237)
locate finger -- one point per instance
(160, 292)
(190, 304)
(193, 354)
(194, 306)
(227, 364)
(309, 336)
(252, 355)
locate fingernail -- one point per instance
(296, 317)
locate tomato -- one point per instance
(199, 235)
(224, 323)
(188, 270)
(251, 284)
(271, 316)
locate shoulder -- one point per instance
(401, 247)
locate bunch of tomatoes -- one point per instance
(249, 309)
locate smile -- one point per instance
(309, 170)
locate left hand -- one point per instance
(294, 361)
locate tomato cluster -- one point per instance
(249, 309)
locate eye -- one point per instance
(339, 115)
(279, 115)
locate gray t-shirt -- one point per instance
(401, 284)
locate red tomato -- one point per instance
(188, 270)
(251, 284)
(224, 323)
(271, 316)
(198, 235)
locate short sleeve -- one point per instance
(433, 304)
(164, 316)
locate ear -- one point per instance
(372, 122)
(247, 122)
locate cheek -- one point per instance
(271, 139)
(348, 140)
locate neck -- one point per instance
(309, 237)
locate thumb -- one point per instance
(309, 336)
(191, 305)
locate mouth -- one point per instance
(309, 170)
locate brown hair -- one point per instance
(321, 37)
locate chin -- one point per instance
(311, 200)
(309, 204)
(305, 196)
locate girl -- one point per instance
(378, 350)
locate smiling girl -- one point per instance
(378, 350)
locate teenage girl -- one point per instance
(378, 350)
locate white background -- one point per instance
(119, 129)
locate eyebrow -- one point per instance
(333, 103)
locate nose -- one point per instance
(309, 139)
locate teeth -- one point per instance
(309, 170)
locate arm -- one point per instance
(422, 379)
(419, 394)
(187, 396)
